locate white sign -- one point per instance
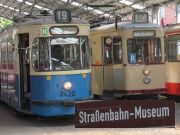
(64, 30)
(64, 41)
(144, 33)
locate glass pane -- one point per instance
(44, 54)
(70, 53)
(11, 76)
(4, 55)
(108, 50)
(85, 49)
(10, 54)
(174, 49)
(4, 63)
(117, 50)
(61, 54)
(60, 57)
(35, 54)
(145, 50)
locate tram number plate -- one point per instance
(67, 93)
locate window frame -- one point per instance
(49, 49)
(112, 50)
(143, 61)
(168, 46)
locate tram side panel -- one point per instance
(135, 79)
(173, 77)
(97, 65)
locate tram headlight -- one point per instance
(146, 71)
(67, 85)
(147, 79)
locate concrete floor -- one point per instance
(10, 124)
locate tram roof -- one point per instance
(172, 27)
(127, 25)
(91, 10)
(44, 20)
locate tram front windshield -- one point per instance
(144, 51)
(61, 54)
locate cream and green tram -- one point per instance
(128, 58)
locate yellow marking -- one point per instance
(84, 75)
(48, 77)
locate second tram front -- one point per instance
(132, 60)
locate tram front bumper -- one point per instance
(54, 102)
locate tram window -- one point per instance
(40, 54)
(173, 49)
(57, 55)
(112, 50)
(44, 54)
(85, 52)
(35, 55)
(4, 65)
(10, 53)
(117, 50)
(108, 50)
(146, 50)
(61, 54)
(4, 55)
(73, 53)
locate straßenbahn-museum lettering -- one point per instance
(120, 114)
(125, 113)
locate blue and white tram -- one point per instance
(45, 64)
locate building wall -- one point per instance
(166, 14)
(163, 15)
(170, 14)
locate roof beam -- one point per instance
(152, 5)
(33, 6)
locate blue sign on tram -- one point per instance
(132, 58)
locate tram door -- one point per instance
(24, 70)
(108, 63)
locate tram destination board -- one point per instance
(125, 114)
